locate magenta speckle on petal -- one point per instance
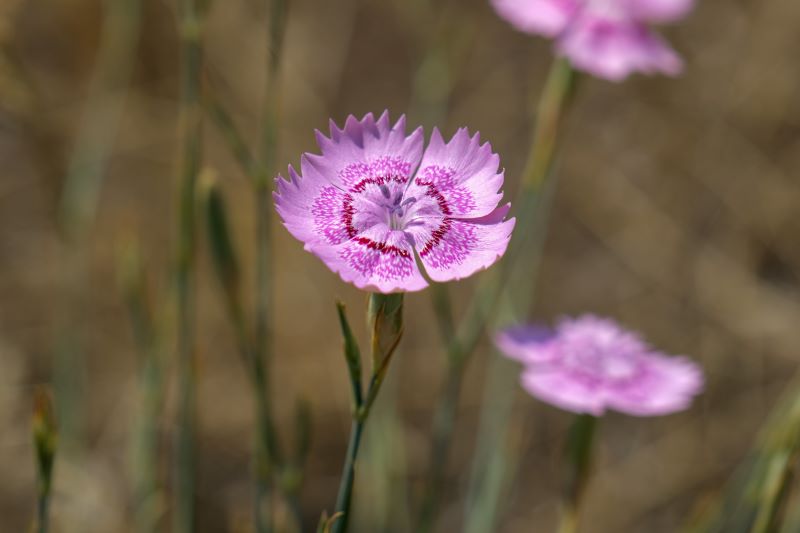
(609, 39)
(589, 365)
(330, 210)
(361, 208)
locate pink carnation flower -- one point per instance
(373, 202)
(590, 364)
(607, 38)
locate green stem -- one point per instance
(578, 459)
(45, 439)
(230, 133)
(267, 452)
(146, 434)
(184, 520)
(549, 118)
(78, 200)
(345, 496)
(775, 493)
(42, 520)
(443, 425)
(385, 318)
(146, 446)
(525, 242)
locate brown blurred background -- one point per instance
(677, 211)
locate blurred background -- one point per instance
(677, 211)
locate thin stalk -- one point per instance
(101, 118)
(146, 485)
(192, 59)
(146, 435)
(443, 425)
(230, 133)
(578, 460)
(777, 487)
(45, 439)
(83, 181)
(267, 451)
(345, 496)
(385, 318)
(443, 310)
(759, 495)
(42, 515)
(491, 461)
(549, 118)
(227, 269)
(493, 457)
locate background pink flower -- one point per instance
(590, 364)
(367, 212)
(607, 38)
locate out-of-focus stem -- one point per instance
(44, 440)
(230, 133)
(83, 181)
(443, 310)
(101, 117)
(267, 452)
(780, 473)
(578, 465)
(257, 352)
(191, 58)
(759, 496)
(145, 438)
(443, 425)
(385, 319)
(549, 117)
(146, 486)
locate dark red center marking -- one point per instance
(436, 237)
(383, 248)
(348, 211)
(434, 193)
(380, 180)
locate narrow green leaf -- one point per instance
(325, 523)
(44, 437)
(352, 355)
(222, 251)
(757, 497)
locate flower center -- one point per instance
(395, 206)
(614, 9)
(601, 360)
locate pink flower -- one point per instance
(591, 364)
(607, 38)
(373, 202)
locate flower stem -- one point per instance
(578, 460)
(344, 498)
(45, 439)
(385, 319)
(144, 460)
(759, 496)
(549, 118)
(266, 451)
(525, 244)
(192, 59)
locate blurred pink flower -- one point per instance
(590, 364)
(607, 38)
(372, 202)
